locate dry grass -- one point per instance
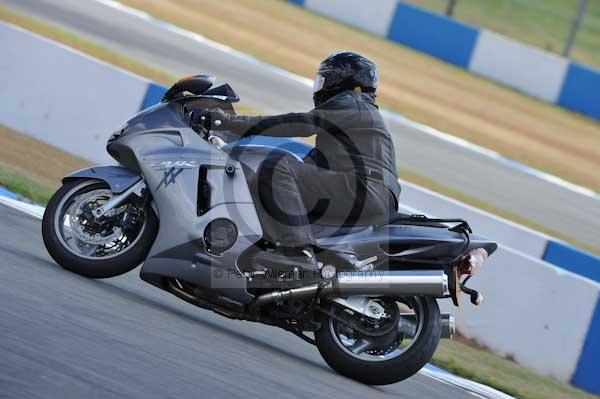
(505, 375)
(85, 46)
(37, 161)
(416, 85)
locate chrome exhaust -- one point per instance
(375, 282)
(408, 325)
(448, 326)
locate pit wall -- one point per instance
(527, 68)
(541, 295)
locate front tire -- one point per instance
(377, 369)
(71, 257)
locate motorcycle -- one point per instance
(180, 203)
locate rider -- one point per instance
(350, 175)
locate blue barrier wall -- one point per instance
(573, 259)
(456, 42)
(581, 90)
(433, 34)
(587, 375)
(153, 95)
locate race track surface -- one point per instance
(64, 336)
(473, 174)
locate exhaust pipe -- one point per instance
(448, 326)
(408, 325)
(375, 282)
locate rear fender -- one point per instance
(118, 178)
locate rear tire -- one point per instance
(384, 372)
(85, 266)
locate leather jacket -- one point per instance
(352, 136)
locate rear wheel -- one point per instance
(97, 247)
(385, 350)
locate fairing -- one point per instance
(177, 165)
(171, 161)
(118, 178)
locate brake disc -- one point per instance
(78, 229)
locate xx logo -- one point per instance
(169, 177)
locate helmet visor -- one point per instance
(318, 83)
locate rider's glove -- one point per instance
(210, 119)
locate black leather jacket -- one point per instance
(351, 136)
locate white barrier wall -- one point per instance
(510, 234)
(528, 303)
(534, 312)
(524, 67)
(61, 96)
(375, 18)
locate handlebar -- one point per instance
(203, 128)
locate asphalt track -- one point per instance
(65, 336)
(473, 174)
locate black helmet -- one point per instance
(344, 71)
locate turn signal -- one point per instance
(473, 261)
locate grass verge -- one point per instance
(83, 45)
(28, 188)
(89, 47)
(502, 374)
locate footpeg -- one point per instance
(362, 265)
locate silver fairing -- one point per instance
(170, 161)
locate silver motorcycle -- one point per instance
(180, 202)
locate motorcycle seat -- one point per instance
(396, 218)
(324, 231)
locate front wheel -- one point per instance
(383, 350)
(97, 247)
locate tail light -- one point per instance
(473, 261)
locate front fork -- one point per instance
(116, 200)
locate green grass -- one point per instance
(500, 373)
(28, 188)
(544, 23)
